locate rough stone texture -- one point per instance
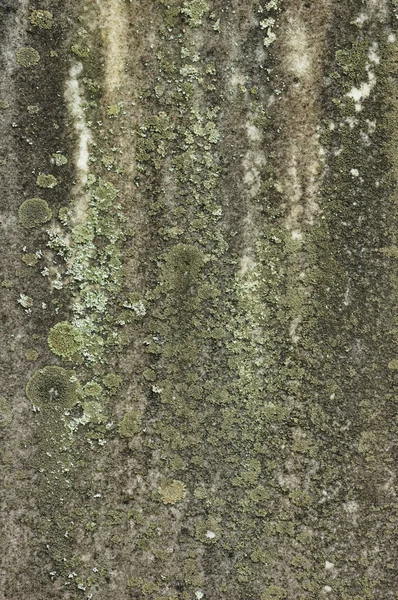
(223, 257)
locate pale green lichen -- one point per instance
(59, 159)
(172, 492)
(130, 425)
(42, 19)
(4, 104)
(53, 385)
(34, 212)
(5, 412)
(93, 411)
(27, 57)
(33, 109)
(46, 181)
(31, 354)
(65, 339)
(29, 259)
(113, 110)
(195, 10)
(92, 388)
(81, 51)
(112, 382)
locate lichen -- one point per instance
(59, 159)
(42, 19)
(53, 385)
(34, 212)
(172, 492)
(4, 104)
(27, 57)
(112, 382)
(5, 412)
(65, 339)
(30, 259)
(46, 181)
(194, 10)
(130, 425)
(31, 354)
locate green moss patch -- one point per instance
(27, 57)
(53, 385)
(34, 212)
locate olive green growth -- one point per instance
(46, 181)
(194, 10)
(34, 212)
(42, 19)
(112, 382)
(393, 364)
(4, 104)
(64, 339)
(130, 425)
(172, 492)
(53, 385)
(59, 159)
(27, 57)
(5, 412)
(92, 389)
(31, 354)
(274, 592)
(30, 259)
(183, 265)
(113, 110)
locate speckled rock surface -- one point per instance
(199, 332)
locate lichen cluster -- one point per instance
(27, 57)
(34, 212)
(53, 385)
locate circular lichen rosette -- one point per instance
(33, 213)
(53, 385)
(27, 57)
(65, 340)
(172, 491)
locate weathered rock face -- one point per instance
(199, 284)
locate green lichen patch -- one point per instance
(33, 109)
(274, 592)
(65, 339)
(27, 57)
(172, 492)
(59, 159)
(183, 265)
(46, 181)
(130, 425)
(195, 10)
(5, 412)
(4, 104)
(105, 193)
(34, 212)
(29, 259)
(80, 51)
(112, 382)
(393, 364)
(42, 19)
(92, 389)
(31, 354)
(53, 385)
(113, 110)
(93, 411)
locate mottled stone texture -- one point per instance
(199, 332)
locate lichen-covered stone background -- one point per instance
(199, 299)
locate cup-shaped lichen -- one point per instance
(53, 385)
(34, 212)
(171, 492)
(65, 339)
(27, 57)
